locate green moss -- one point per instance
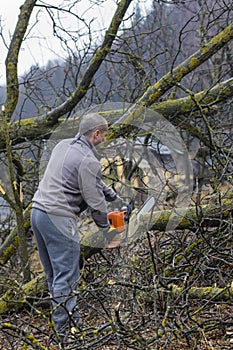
(35, 342)
(9, 251)
(194, 62)
(180, 73)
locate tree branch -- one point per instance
(169, 80)
(12, 89)
(206, 99)
(32, 128)
(95, 63)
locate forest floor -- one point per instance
(105, 287)
(34, 321)
(34, 325)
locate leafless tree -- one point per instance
(171, 287)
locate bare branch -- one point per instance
(175, 76)
(12, 57)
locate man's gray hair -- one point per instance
(91, 122)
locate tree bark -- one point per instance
(10, 245)
(210, 215)
(15, 299)
(12, 89)
(206, 293)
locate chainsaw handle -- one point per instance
(130, 208)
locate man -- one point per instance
(71, 183)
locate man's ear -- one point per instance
(96, 133)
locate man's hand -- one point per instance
(118, 203)
(130, 208)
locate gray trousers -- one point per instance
(59, 250)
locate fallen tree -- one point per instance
(204, 101)
(185, 218)
(210, 215)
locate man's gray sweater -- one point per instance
(73, 182)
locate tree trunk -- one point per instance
(186, 218)
(10, 245)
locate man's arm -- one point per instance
(93, 191)
(109, 194)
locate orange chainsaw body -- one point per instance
(117, 219)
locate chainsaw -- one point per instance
(120, 220)
(119, 217)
